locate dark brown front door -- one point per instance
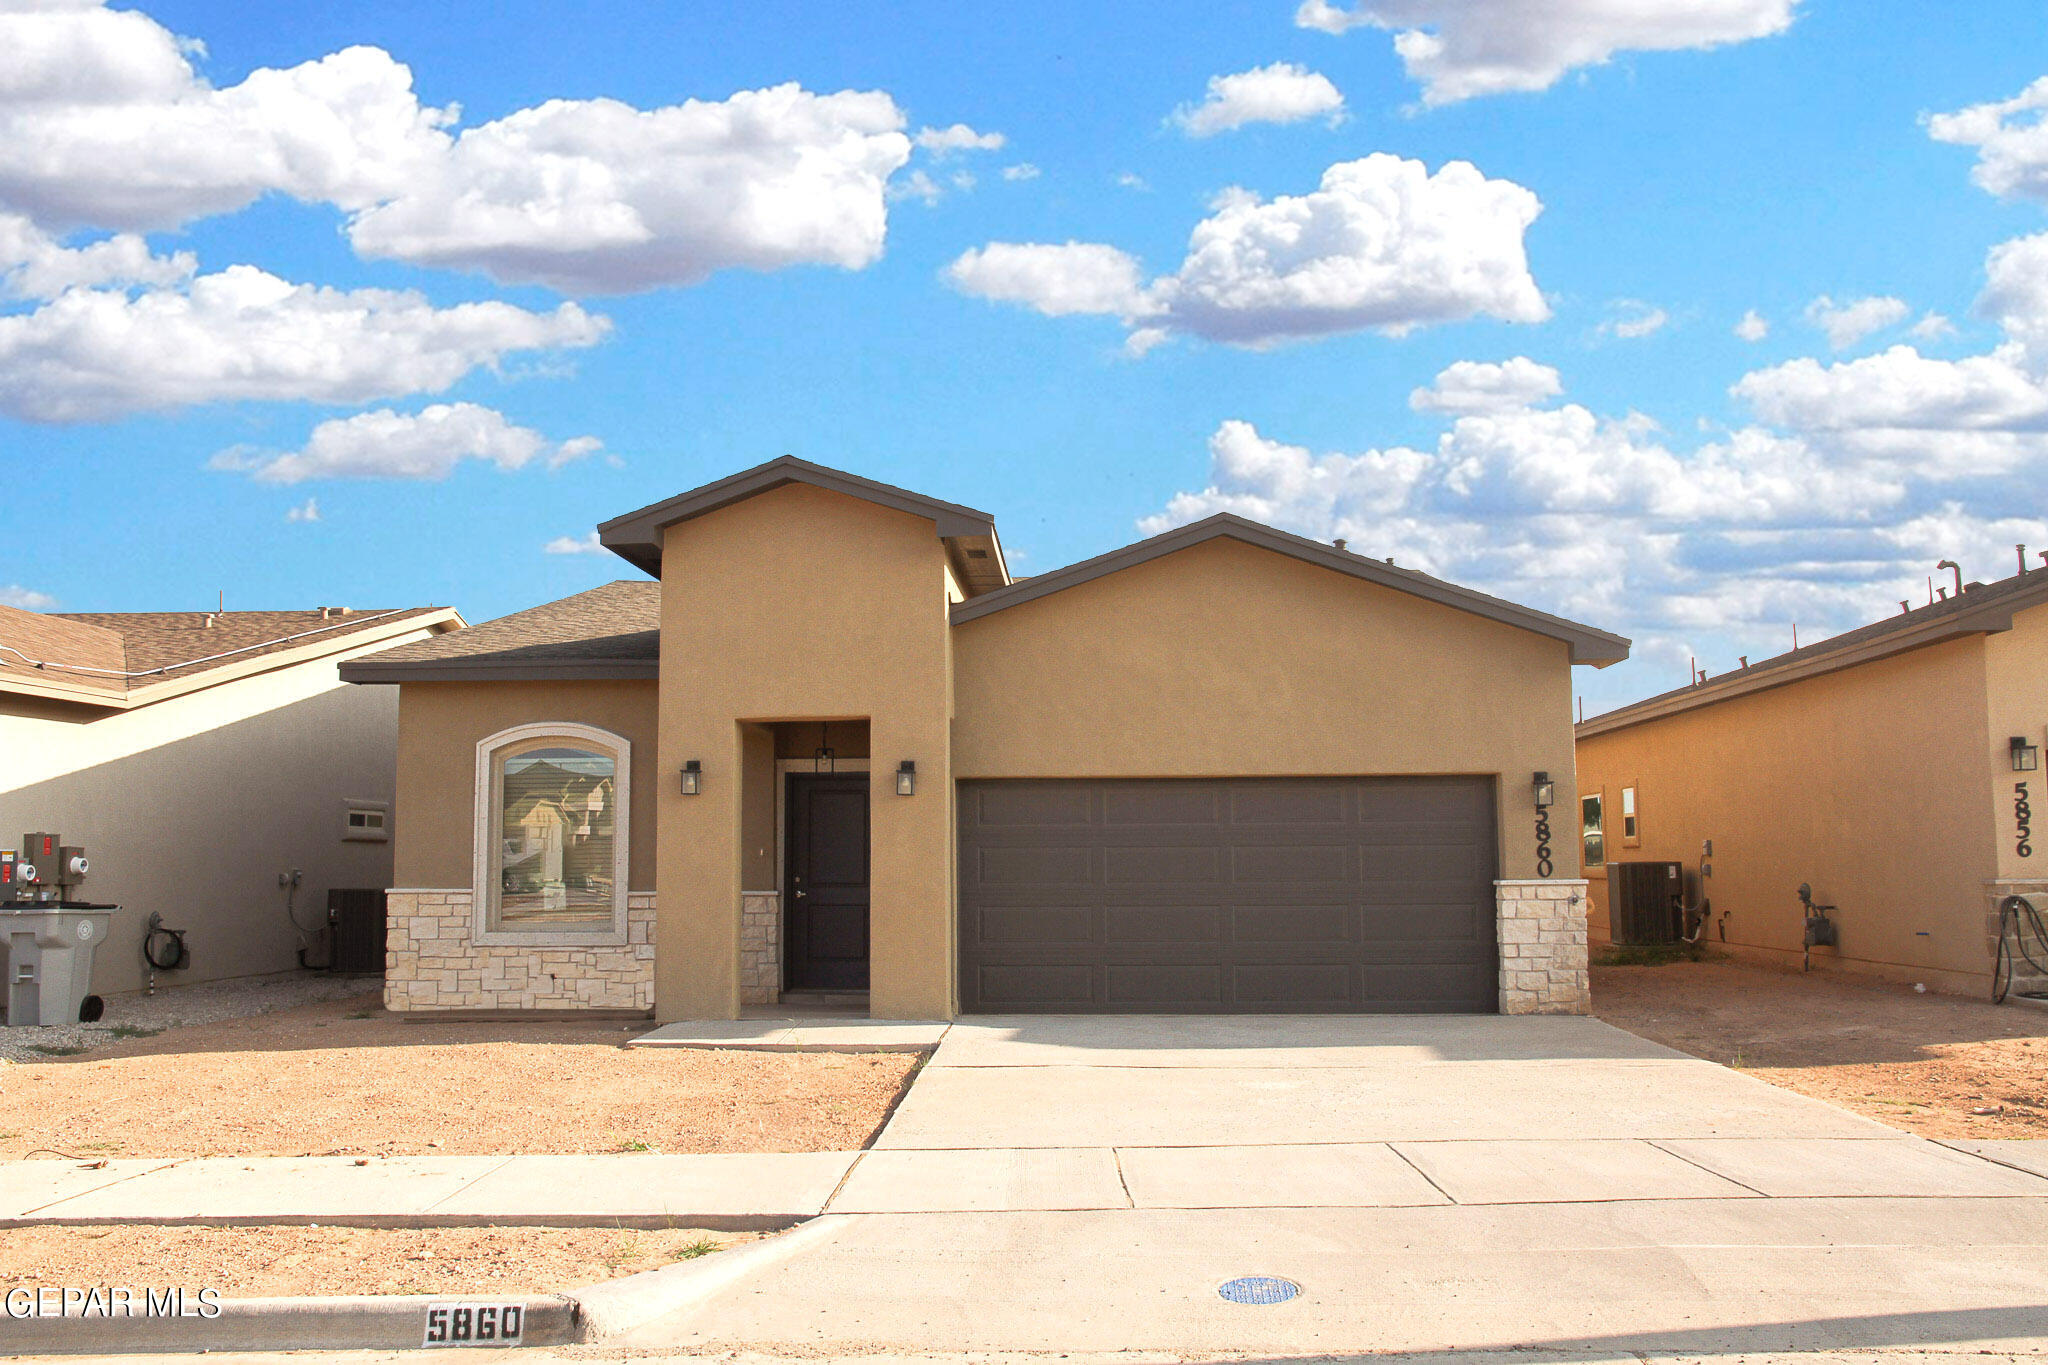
(826, 923)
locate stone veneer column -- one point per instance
(760, 947)
(2024, 978)
(431, 962)
(1542, 927)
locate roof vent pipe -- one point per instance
(1904, 609)
(2023, 557)
(1951, 564)
(1743, 659)
(1339, 543)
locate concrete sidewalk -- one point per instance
(732, 1192)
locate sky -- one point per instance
(1695, 320)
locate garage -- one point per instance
(1228, 895)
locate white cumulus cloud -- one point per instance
(1023, 170)
(428, 444)
(1848, 323)
(596, 196)
(2011, 141)
(28, 599)
(94, 354)
(587, 544)
(1459, 49)
(959, 137)
(1633, 320)
(1473, 386)
(1380, 244)
(1753, 326)
(34, 265)
(1280, 93)
(309, 510)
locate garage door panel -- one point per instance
(1035, 866)
(1334, 924)
(1149, 804)
(1163, 924)
(1228, 895)
(1192, 985)
(1272, 865)
(1054, 924)
(1290, 805)
(1156, 865)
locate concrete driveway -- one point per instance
(1086, 1184)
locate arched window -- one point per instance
(552, 804)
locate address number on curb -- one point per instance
(475, 1324)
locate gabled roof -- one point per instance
(1982, 609)
(1589, 646)
(122, 660)
(970, 536)
(609, 632)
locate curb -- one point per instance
(356, 1322)
(617, 1308)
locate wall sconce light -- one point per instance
(2025, 757)
(906, 778)
(693, 777)
(1546, 792)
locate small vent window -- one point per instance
(366, 821)
(1630, 831)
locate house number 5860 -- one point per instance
(2023, 816)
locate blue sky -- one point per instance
(1610, 448)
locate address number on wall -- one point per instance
(475, 1324)
(2023, 817)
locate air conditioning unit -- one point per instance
(1645, 901)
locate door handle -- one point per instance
(799, 895)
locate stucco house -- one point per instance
(1893, 768)
(833, 745)
(195, 755)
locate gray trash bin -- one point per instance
(49, 960)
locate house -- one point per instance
(197, 755)
(833, 745)
(1891, 768)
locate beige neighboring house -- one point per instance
(196, 755)
(1877, 766)
(831, 746)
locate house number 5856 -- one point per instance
(2023, 816)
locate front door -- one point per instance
(826, 883)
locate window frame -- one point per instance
(1631, 816)
(487, 843)
(1598, 799)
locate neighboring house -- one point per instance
(836, 747)
(1877, 766)
(195, 756)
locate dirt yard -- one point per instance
(1937, 1065)
(345, 1077)
(245, 1262)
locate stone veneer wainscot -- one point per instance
(431, 961)
(1542, 926)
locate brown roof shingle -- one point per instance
(611, 631)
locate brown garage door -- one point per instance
(1260, 894)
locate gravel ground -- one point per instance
(1939, 1065)
(258, 1262)
(138, 1015)
(345, 1077)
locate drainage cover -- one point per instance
(1258, 1289)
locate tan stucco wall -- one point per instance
(2016, 685)
(1870, 783)
(1226, 659)
(803, 604)
(191, 806)
(439, 725)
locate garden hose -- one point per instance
(2017, 918)
(173, 955)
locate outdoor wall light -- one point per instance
(1546, 792)
(693, 777)
(2025, 757)
(906, 778)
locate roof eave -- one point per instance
(502, 670)
(1992, 620)
(1589, 646)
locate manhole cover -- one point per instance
(1259, 1289)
